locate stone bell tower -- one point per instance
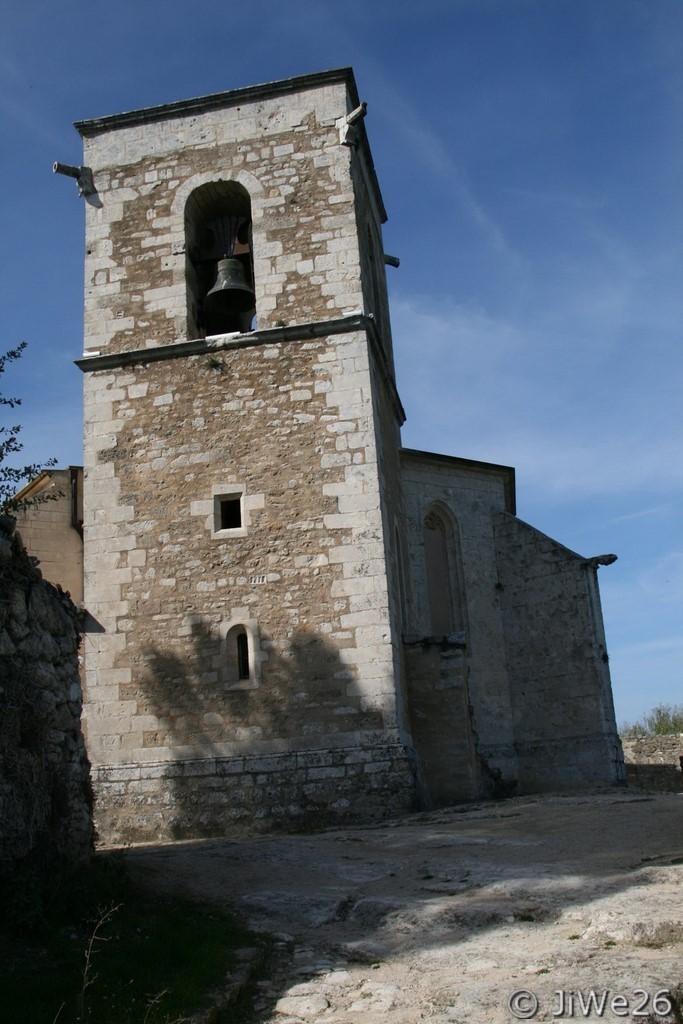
(242, 480)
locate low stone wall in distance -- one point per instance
(45, 794)
(654, 762)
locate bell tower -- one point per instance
(242, 483)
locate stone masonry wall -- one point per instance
(389, 415)
(307, 573)
(291, 426)
(471, 494)
(45, 799)
(563, 715)
(162, 586)
(297, 422)
(286, 154)
(440, 721)
(307, 788)
(654, 762)
(49, 535)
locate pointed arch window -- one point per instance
(443, 573)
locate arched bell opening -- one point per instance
(219, 259)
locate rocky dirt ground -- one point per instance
(444, 916)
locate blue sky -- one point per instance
(530, 154)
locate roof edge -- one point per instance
(35, 485)
(97, 125)
(507, 472)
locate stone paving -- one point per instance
(574, 902)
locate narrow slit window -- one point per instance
(242, 656)
(240, 659)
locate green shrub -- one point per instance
(663, 720)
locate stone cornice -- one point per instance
(507, 473)
(91, 127)
(269, 336)
(200, 104)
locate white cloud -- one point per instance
(495, 388)
(654, 511)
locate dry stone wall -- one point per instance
(45, 797)
(655, 762)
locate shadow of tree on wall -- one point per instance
(217, 732)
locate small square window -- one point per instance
(230, 513)
(229, 518)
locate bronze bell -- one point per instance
(229, 298)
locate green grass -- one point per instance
(112, 954)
